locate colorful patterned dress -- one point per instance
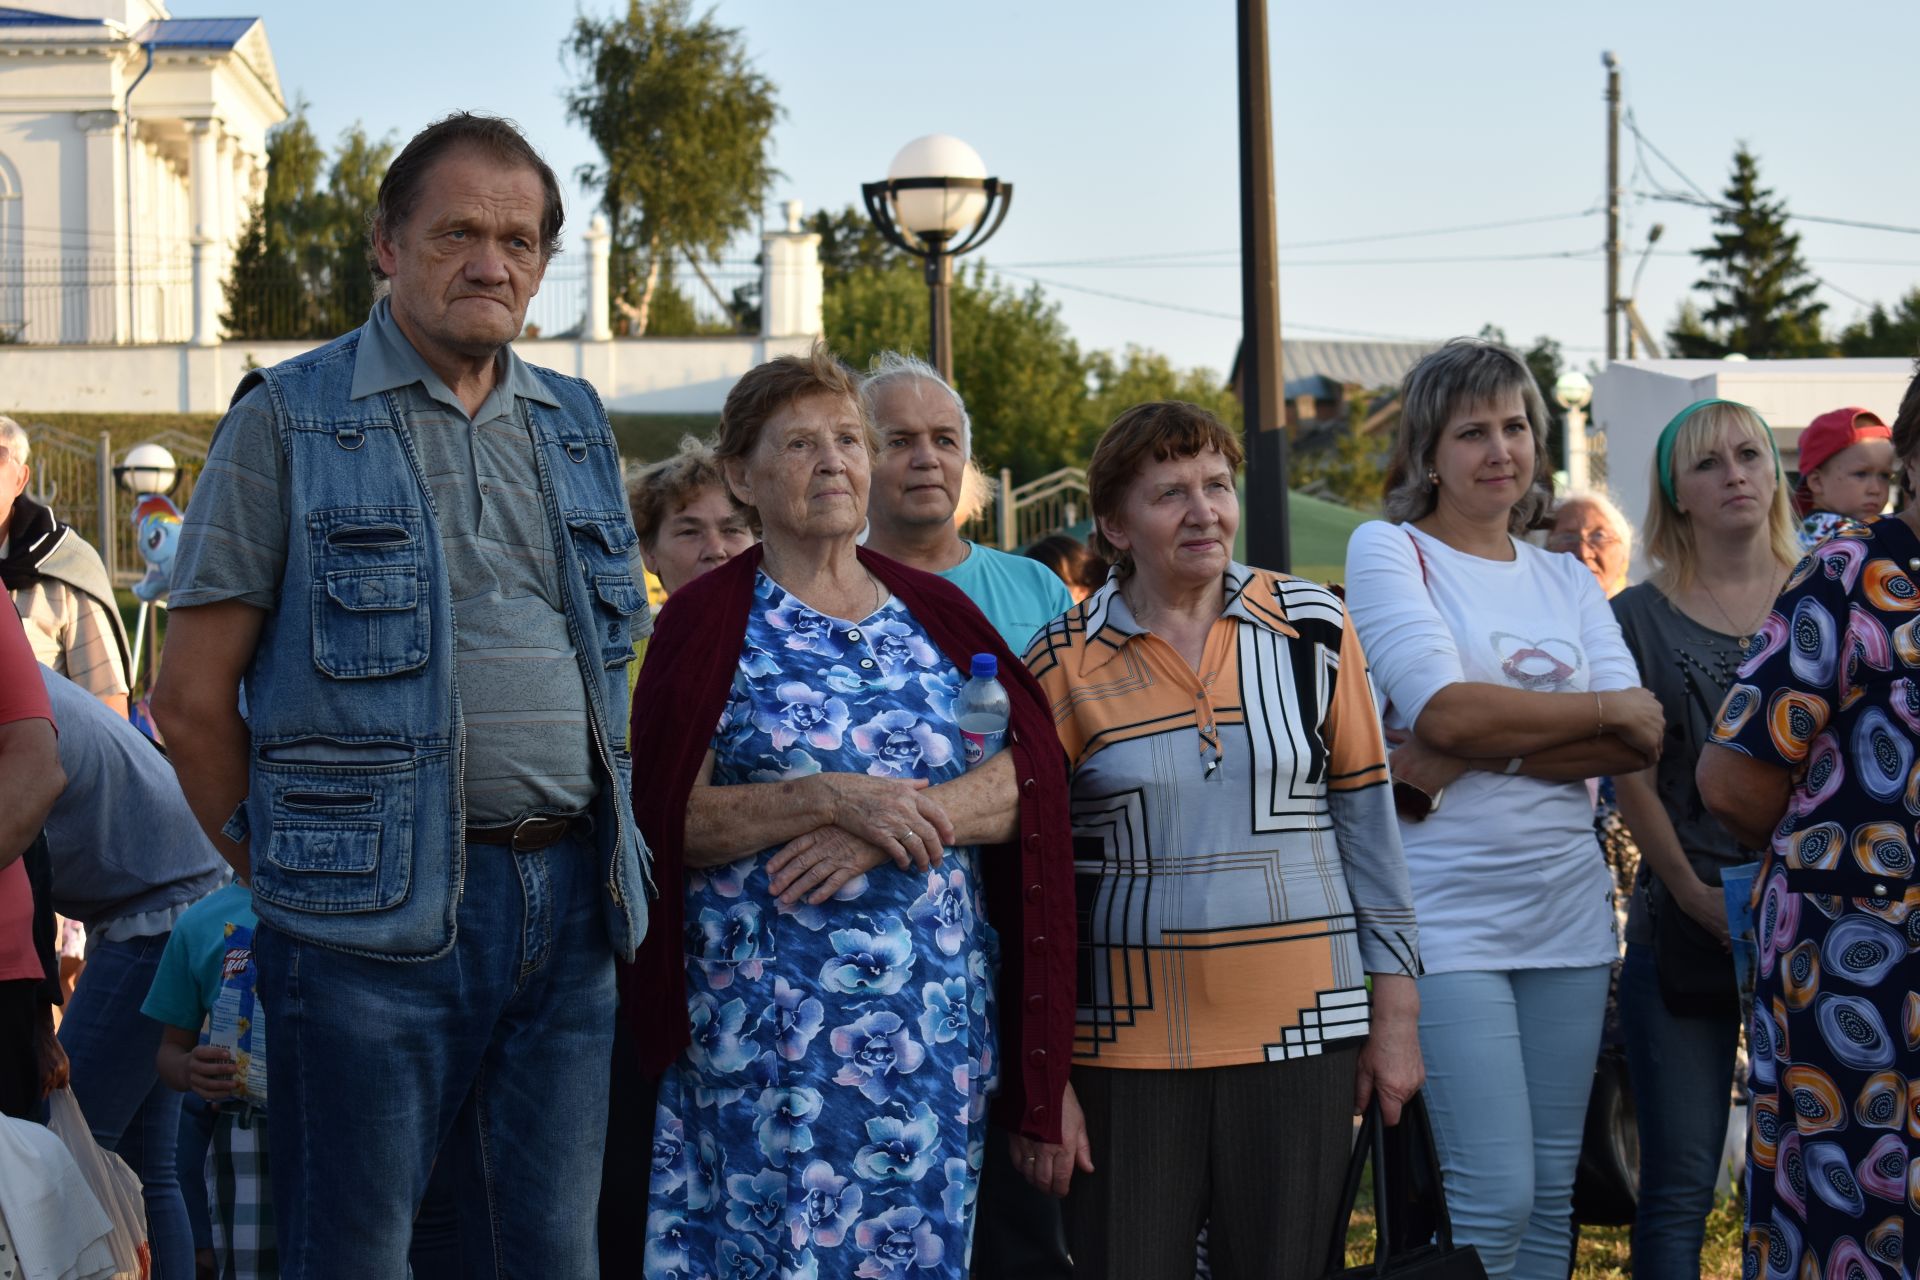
(1832, 692)
(828, 1118)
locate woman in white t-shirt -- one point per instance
(1507, 684)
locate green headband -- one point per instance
(1663, 452)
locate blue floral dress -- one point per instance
(828, 1118)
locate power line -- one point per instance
(1188, 254)
(1587, 254)
(1720, 206)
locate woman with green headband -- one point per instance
(1813, 760)
(1720, 537)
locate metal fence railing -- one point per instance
(87, 299)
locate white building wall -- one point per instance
(632, 375)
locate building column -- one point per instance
(790, 281)
(203, 177)
(599, 317)
(95, 303)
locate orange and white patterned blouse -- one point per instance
(1237, 859)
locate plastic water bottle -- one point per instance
(982, 710)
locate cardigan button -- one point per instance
(1037, 943)
(1036, 1002)
(1038, 1057)
(1033, 840)
(1033, 893)
(1039, 1112)
(1028, 786)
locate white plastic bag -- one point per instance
(115, 1185)
(57, 1227)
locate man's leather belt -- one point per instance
(533, 833)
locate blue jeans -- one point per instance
(494, 1056)
(112, 1046)
(1682, 1073)
(1510, 1059)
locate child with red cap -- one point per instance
(1846, 464)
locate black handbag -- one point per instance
(1406, 1187)
(1694, 972)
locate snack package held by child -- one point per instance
(233, 1022)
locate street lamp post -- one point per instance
(937, 203)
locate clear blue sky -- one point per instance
(1115, 121)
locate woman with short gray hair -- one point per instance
(1507, 685)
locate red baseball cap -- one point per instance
(1827, 435)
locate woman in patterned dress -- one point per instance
(827, 1118)
(1813, 759)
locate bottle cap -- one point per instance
(985, 666)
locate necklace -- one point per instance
(1745, 634)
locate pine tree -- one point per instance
(1759, 289)
(301, 269)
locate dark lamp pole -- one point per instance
(938, 228)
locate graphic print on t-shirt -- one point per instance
(1543, 665)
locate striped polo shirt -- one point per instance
(1236, 856)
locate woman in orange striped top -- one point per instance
(1240, 878)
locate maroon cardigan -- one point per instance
(683, 687)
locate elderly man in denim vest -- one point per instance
(413, 553)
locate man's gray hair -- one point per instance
(1461, 374)
(891, 368)
(13, 438)
(1609, 511)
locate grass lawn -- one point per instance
(1604, 1252)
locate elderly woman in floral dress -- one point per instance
(827, 966)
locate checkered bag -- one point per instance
(240, 1195)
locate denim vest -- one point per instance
(355, 801)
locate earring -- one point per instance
(1433, 479)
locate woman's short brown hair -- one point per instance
(661, 488)
(1160, 430)
(766, 389)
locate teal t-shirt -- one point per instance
(1018, 595)
(191, 968)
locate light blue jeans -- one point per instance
(1510, 1058)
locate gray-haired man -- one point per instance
(913, 509)
(415, 551)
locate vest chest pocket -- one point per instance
(603, 545)
(372, 607)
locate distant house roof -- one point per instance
(1354, 363)
(196, 33)
(10, 17)
(1317, 385)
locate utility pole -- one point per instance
(1261, 392)
(1612, 65)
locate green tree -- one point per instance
(682, 122)
(1884, 333)
(301, 268)
(1138, 375)
(1759, 289)
(1023, 375)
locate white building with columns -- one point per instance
(132, 149)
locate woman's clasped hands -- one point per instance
(874, 820)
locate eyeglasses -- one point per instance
(1597, 540)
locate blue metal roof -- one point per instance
(195, 33)
(33, 18)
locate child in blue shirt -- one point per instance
(215, 1046)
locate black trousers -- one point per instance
(1255, 1152)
